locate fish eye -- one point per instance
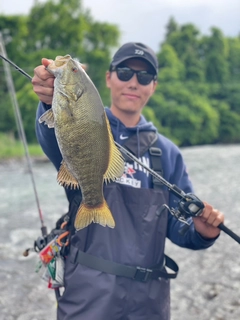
(75, 69)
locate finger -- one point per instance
(84, 66)
(211, 219)
(214, 218)
(46, 62)
(219, 218)
(42, 73)
(44, 91)
(46, 99)
(39, 82)
(207, 210)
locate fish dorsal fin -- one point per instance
(65, 178)
(116, 163)
(48, 118)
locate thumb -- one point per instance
(46, 61)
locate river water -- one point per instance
(208, 284)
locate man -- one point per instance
(97, 281)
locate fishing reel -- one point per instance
(61, 236)
(188, 206)
(38, 245)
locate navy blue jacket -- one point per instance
(172, 162)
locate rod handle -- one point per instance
(229, 232)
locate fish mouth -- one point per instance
(58, 63)
(62, 60)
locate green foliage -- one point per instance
(28, 101)
(230, 123)
(7, 122)
(197, 100)
(234, 58)
(190, 117)
(171, 68)
(52, 28)
(13, 148)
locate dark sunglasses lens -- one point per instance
(124, 74)
(144, 78)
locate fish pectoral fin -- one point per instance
(65, 178)
(116, 163)
(78, 94)
(64, 95)
(48, 118)
(75, 95)
(100, 214)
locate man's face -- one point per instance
(130, 96)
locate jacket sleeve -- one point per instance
(190, 238)
(46, 138)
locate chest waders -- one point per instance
(121, 273)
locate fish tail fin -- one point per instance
(116, 163)
(100, 214)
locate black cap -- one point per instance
(135, 50)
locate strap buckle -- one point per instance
(155, 151)
(142, 274)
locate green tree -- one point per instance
(197, 100)
(234, 59)
(229, 127)
(190, 118)
(171, 68)
(216, 54)
(186, 41)
(171, 27)
(183, 38)
(54, 28)
(65, 26)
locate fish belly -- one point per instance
(84, 144)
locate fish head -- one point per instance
(57, 66)
(69, 75)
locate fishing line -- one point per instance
(185, 203)
(188, 204)
(19, 122)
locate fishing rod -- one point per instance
(16, 67)
(20, 125)
(189, 204)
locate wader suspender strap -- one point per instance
(148, 141)
(135, 273)
(155, 156)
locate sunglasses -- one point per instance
(125, 74)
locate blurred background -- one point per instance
(196, 104)
(197, 44)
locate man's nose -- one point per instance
(133, 82)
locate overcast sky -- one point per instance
(145, 20)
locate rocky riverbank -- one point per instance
(208, 284)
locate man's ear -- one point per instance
(154, 86)
(108, 77)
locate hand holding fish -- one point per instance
(207, 223)
(43, 82)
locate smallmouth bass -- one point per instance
(85, 140)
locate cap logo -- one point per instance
(140, 52)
